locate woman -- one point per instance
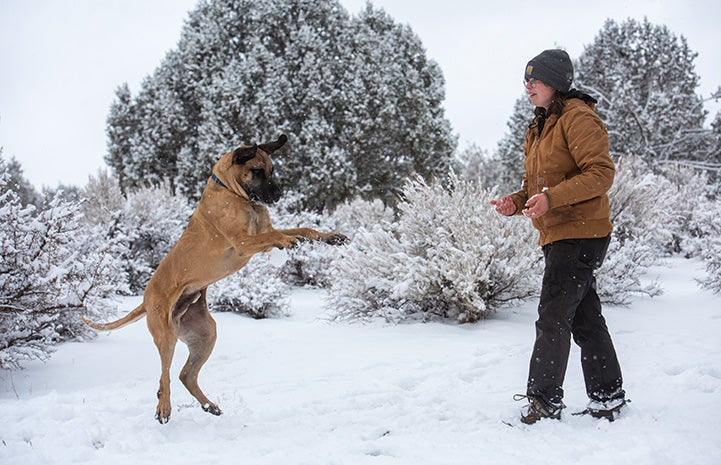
(568, 171)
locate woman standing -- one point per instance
(568, 171)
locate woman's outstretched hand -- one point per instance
(504, 205)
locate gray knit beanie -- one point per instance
(553, 68)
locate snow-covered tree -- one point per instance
(67, 192)
(712, 165)
(645, 80)
(361, 103)
(17, 182)
(121, 127)
(396, 125)
(52, 272)
(449, 255)
(508, 157)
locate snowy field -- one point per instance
(303, 390)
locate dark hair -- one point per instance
(557, 104)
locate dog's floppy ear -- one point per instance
(244, 154)
(270, 147)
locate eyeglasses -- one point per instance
(531, 83)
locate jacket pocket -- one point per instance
(563, 214)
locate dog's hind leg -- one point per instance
(165, 339)
(197, 329)
(164, 328)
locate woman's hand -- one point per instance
(537, 206)
(504, 206)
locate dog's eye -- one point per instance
(258, 173)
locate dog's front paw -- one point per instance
(289, 242)
(282, 241)
(336, 239)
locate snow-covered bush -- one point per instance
(708, 224)
(654, 216)
(619, 279)
(256, 290)
(449, 255)
(262, 288)
(53, 271)
(102, 200)
(306, 264)
(692, 203)
(700, 234)
(646, 218)
(152, 221)
(645, 206)
(350, 216)
(309, 262)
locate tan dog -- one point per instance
(228, 227)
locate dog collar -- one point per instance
(217, 180)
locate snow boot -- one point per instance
(609, 409)
(538, 409)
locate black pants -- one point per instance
(570, 306)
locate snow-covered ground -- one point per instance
(304, 390)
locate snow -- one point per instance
(277, 257)
(304, 390)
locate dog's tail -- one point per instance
(131, 317)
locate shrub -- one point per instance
(53, 271)
(449, 255)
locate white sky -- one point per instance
(61, 61)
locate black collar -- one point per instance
(217, 181)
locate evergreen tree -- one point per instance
(396, 121)
(358, 98)
(644, 78)
(120, 130)
(17, 182)
(509, 153)
(160, 130)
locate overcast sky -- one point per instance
(61, 61)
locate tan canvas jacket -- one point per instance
(570, 162)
